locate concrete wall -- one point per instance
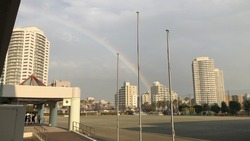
(12, 122)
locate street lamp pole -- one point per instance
(138, 81)
(170, 89)
(117, 98)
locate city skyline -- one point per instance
(85, 37)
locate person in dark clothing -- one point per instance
(33, 118)
(29, 118)
(39, 119)
(26, 118)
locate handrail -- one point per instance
(41, 133)
(83, 129)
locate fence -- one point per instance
(41, 133)
(83, 129)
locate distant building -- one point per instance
(28, 54)
(228, 98)
(90, 98)
(160, 92)
(219, 84)
(146, 98)
(103, 101)
(60, 83)
(238, 98)
(127, 96)
(188, 101)
(204, 82)
(246, 97)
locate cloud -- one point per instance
(80, 31)
(69, 37)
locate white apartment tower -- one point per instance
(204, 80)
(160, 92)
(127, 96)
(220, 90)
(28, 54)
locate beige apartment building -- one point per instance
(28, 54)
(159, 92)
(146, 98)
(204, 80)
(238, 98)
(127, 96)
(219, 83)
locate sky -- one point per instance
(86, 35)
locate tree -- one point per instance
(175, 105)
(153, 105)
(206, 107)
(234, 107)
(162, 104)
(159, 104)
(198, 109)
(215, 108)
(146, 107)
(182, 106)
(247, 106)
(224, 107)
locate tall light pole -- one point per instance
(138, 80)
(117, 98)
(170, 90)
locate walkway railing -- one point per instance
(41, 133)
(83, 129)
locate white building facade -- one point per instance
(146, 98)
(127, 96)
(204, 82)
(28, 54)
(160, 92)
(220, 90)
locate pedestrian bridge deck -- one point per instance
(57, 134)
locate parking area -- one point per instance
(187, 128)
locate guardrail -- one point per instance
(41, 133)
(83, 129)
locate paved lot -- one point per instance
(187, 128)
(56, 134)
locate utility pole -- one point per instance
(117, 98)
(170, 89)
(138, 80)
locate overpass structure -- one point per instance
(39, 95)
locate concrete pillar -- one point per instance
(1, 92)
(53, 114)
(74, 114)
(40, 113)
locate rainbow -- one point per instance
(103, 42)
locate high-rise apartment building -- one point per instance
(219, 83)
(204, 82)
(160, 92)
(28, 54)
(127, 96)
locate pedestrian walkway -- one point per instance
(57, 134)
